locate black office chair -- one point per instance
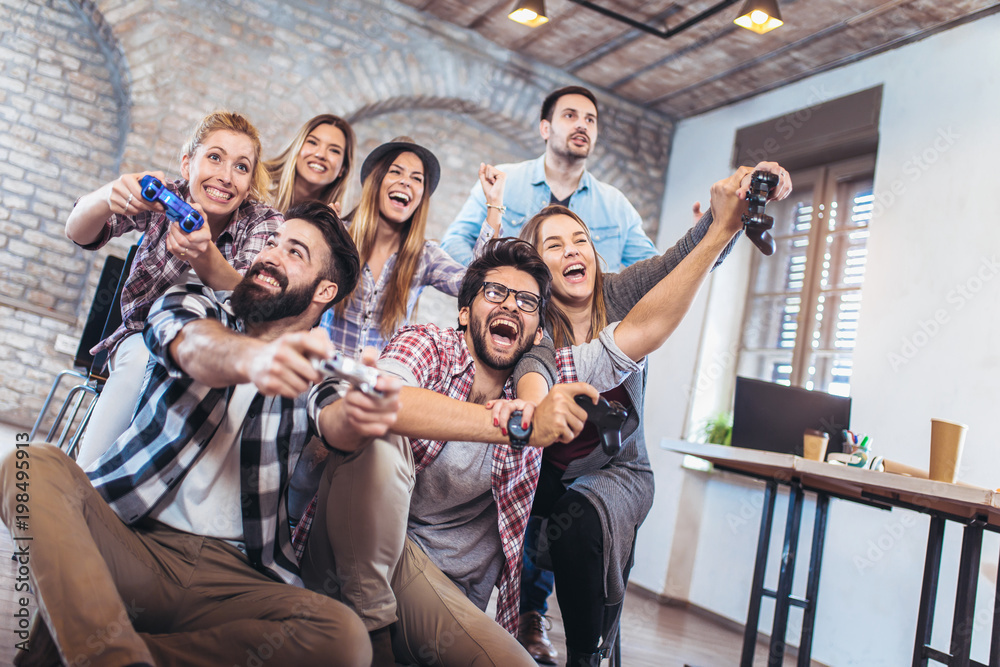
(88, 370)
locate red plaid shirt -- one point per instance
(440, 360)
(155, 270)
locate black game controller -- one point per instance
(608, 417)
(176, 208)
(341, 366)
(756, 223)
(518, 436)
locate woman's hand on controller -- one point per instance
(125, 195)
(502, 409)
(190, 246)
(780, 191)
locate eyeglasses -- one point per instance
(497, 293)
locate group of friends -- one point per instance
(240, 508)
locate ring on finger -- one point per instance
(128, 201)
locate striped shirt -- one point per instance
(175, 420)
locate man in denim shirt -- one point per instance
(569, 127)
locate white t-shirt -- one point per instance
(207, 500)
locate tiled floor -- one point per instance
(654, 635)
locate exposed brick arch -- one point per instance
(507, 127)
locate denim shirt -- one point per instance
(614, 223)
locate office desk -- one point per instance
(974, 508)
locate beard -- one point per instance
(499, 361)
(569, 151)
(254, 304)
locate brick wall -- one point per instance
(61, 106)
(90, 89)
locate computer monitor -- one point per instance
(772, 417)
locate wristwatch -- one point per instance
(518, 436)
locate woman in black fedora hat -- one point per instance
(388, 226)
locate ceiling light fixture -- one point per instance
(532, 13)
(529, 12)
(760, 16)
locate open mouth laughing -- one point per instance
(504, 331)
(400, 199)
(575, 273)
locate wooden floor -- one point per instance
(653, 634)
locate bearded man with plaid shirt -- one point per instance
(471, 501)
(180, 551)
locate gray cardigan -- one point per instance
(620, 487)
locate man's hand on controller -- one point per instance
(282, 367)
(558, 418)
(372, 416)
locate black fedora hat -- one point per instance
(432, 168)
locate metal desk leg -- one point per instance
(995, 634)
(782, 601)
(812, 585)
(760, 565)
(928, 590)
(965, 596)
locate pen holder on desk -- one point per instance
(814, 444)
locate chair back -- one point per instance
(105, 311)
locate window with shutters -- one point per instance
(804, 301)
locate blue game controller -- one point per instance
(177, 209)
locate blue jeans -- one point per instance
(537, 584)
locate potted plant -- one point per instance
(718, 429)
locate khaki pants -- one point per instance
(439, 625)
(357, 534)
(112, 595)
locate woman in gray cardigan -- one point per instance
(593, 503)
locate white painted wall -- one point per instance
(928, 345)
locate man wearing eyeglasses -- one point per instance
(471, 501)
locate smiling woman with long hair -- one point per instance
(225, 180)
(315, 165)
(389, 227)
(631, 313)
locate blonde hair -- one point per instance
(234, 122)
(281, 172)
(560, 327)
(364, 230)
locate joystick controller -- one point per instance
(608, 417)
(342, 367)
(176, 208)
(755, 222)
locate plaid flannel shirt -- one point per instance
(176, 418)
(440, 359)
(154, 269)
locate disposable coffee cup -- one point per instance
(814, 444)
(947, 442)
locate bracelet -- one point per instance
(501, 208)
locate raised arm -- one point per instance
(651, 321)
(461, 234)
